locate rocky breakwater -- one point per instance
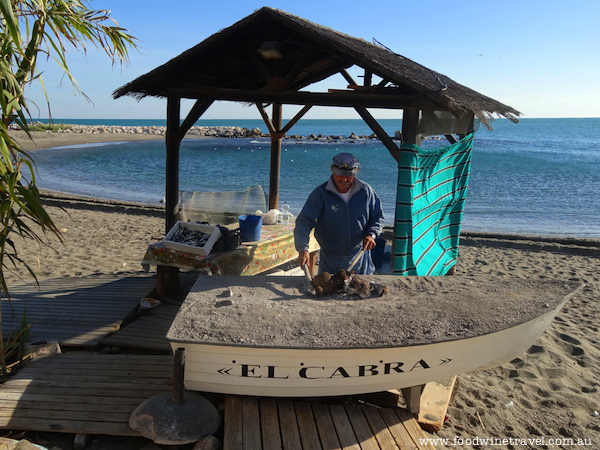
(216, 131)
(230, 132)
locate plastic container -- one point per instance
(285, 214)
(250, 227)
(215, 234)
(377, 253)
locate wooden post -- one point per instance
(178, 375)
(275, 158)
(172, 141)
(410, 122)
(412, 397)
(170, 275)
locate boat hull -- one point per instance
(285, 372)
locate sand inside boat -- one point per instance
(278, 312)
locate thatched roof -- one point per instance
(226, 66)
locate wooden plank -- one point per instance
(65, 426)
(98, 292)
(137, 371)
(62, 320)
(91, 385)
(306, 425)
(434, 404)
(104, 365)
(361, 428)
(91, 360)
(73, 298)
(77, 312)
(116, 406)
(251, 424)
(148, 330)
(394, 424)
(233, 437)
(133, 370)
(379, 428)
(40, 399)
(83, 392)
(343, 427)
(144, 339)
(66, 313)
(290, 435)
(48, 400)
(58, 414)
(412, 397)
(414, 430)
(269, 422)
(123, 341)
(83, 378)
(325, 427)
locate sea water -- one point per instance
(540, 176)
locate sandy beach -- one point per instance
(548, 398)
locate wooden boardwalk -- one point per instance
(88, 393)
(148, 330)
(268, 423)
(74, 311)
(82, 392)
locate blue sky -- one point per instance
(540, 57)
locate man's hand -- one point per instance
(368, 242)
(302, 258)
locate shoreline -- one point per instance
(67, 199)
(91, 134)
(46, 140)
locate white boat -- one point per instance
(266, 336)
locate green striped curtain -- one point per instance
(432, 187)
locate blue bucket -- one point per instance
(250, 227)
(377, 252)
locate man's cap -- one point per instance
(345, 164)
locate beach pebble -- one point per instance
(223, 303)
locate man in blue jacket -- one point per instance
(347, 217)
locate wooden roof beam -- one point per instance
(368, 77)
(257, 62)
(266, 119)
(305, 61)
(379, 131)
(295, 119)
(195, 113)
(348, 77)
(320, 75)
(349, 99)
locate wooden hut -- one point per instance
(271, 56)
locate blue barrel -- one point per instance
(250, 227)
(377, 252)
